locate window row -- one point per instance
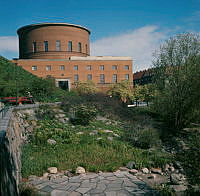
(101, 78)
(88, 67)
(58, 46)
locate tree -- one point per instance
(123, 91)
(85, 87)
(177, 73)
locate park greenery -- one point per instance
(140, 132)
(15, 81)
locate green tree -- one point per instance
(123, 91)
(85, 87)
(177, 78)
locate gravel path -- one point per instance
(102, 184)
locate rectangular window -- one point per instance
(46, 46)
(79, 47)
(69, 46)
(34, 47)
(102, 78)
(62, 67)
(114, 67)
(126, 76)
(101, 67)
(126, 67)
(86, 49)
(89, 67)
(89, 76)
(58, 45)
(48, 67)
(34, 67)
(75, 67)
(76, 78)
(114, 78)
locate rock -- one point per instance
(95, 131)
(80, 170)
(178, 189)
(99, 138)
(107, 131)
(133, 171)
(171, 168)
(79, 133)
(151, 176)
(156, 171)
(123, 169)
(176, 179)
(166, 168)
(110, 138)
(145, 170)
(61, 115)
(51, 141)
(52, 170)
(45, 175)
(67, 173)
(116, 135)
(131, 165)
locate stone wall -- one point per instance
(13, 128)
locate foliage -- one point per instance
(177, 76)
(143, 138)
(122, 91)
(85, 87)
(49, 129)
(28, 190)
(83, 114)
(144, 92)
(15, 81)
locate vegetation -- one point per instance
(85, 87)
(177, 80)
(90, 145)
(15, 81)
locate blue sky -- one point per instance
(119, 27)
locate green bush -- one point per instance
(83, 114)
(49, 129)
(144, 138)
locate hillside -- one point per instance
(15, 81)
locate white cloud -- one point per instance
(8, 44)
(139, 44)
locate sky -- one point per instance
(133, 28)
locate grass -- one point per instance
(95, 155)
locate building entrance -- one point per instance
(63, 85)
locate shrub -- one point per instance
(85, 87)
(83, 114)
(144, 138)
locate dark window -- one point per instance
(114, 78)
(126, 67)
(79, 47)
(89, 67)
(101, 67)
(34, 47)
(126, 76)
(70, 46)
(75, 67)
(76, 78)
(34, 67)
(48, 67)
(62, 67)
(58, 45)
(102, 78)
(89, 76)
(114, 67)
(46, 46)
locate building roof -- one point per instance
(37, 25)
(143, 73)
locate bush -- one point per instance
(50, 129)
(144, 138)
(83, 114)
(87, 87)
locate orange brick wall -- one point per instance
(69, 71)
